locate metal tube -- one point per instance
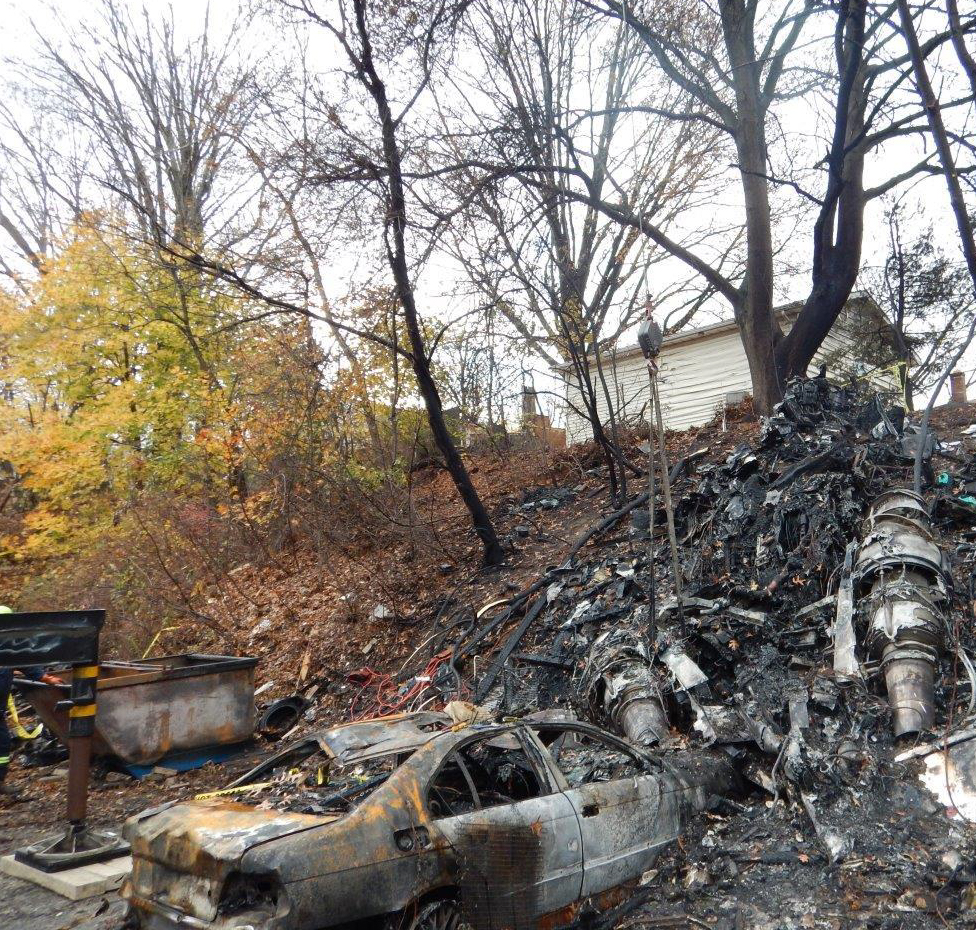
(81, 730)
(643, 722)
(619, 681)
(911, 694)
(651, 492)
(79, 768)
(666, 487)
(907, 570)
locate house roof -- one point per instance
(859, 300)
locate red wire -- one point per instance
(387, 698)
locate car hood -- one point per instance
(351, 743)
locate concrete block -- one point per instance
(86, 881)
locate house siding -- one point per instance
(695, 377)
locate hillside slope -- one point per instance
(833, 827)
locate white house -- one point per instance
(703, 369)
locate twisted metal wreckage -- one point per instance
(816, 649)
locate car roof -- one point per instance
(363, 740)
(380, 736)
(350, 743)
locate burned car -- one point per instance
(420, 821)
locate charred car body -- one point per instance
(415, 819)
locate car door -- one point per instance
(516, 836)
(616, 799)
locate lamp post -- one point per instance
(650, 338)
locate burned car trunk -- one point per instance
(508, 823)
(184, 856)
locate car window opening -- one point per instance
(584, 759)
(318, 787)
(498, 773)
(450, 793)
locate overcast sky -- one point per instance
(927, 202)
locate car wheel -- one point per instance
(434, 915)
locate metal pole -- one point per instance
(81, 729)
(651, 492)
(666, 486)
(650, 338)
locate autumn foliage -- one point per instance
(157, 431)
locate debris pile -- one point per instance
(818, 642)
(818, 626)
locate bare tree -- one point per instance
(375, 164)
(164, 114)
(42, 172)
(551, 86)
(481, 364)
(950, 171)
(288, 182)
(928, 305)
(959, 32)
(934, 112)
(760, 63)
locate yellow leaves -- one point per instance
(114, 385)
(50, 534)
(122, 381)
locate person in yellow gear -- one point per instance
(6, 682)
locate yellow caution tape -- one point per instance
(240, 789)
(82, 710)
(18, 727)
(155, 639)
(85, 671)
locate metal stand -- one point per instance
(650, 338)
(79, 844)
(40, 638)
(666, 487)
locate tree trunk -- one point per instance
(754, 314)
(396, 221)
(839, 229)
(933, 111)
(588, 396)
(959, 43)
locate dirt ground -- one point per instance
(39, 810)
(27, 907)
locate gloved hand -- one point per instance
(51, 679)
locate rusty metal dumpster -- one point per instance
(156, 708)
